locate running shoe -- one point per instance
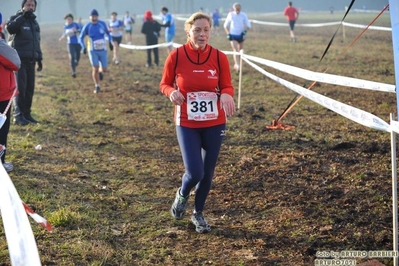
(179, 206)
(201, 225)
(101, 75)
(74, 75)
(97, 89)
(8, 166)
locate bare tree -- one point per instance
(153, 5)
(191, 6)
(188, 6)
(107, 9)
(177, 3)
(72, 6)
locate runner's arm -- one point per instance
(9, 56)
(166, 86)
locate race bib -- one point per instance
(202, 106)
(70, 32)
(99, 44)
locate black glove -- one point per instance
(229, 37)
(39, 65)
(244, 32)
(84, 50)
(28, 14)
(111, 46)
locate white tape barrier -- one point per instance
(299, 72)
(309, 25)
(21, 242)
(314, 25)
(323, 77)
(146, 47)
(364, 26)
(350, 112)
(317, 25)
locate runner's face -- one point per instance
(199, 33)
(113, 17)
(237, 9)
(69, 20)
(94, 19)
(29, 5)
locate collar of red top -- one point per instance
(191, 48)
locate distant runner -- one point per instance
(115, 26)
(96, 30)
(71, 29)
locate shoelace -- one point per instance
(200, 218)
(182, 201)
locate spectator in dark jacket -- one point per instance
(24, 37)
(151, 29)
(9, 62)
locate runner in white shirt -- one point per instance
(128, 21)
(115, 27)
(236, 26)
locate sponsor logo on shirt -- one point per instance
(213, 74)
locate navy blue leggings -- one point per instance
(5, 128)
(200, 150)
(74, 51)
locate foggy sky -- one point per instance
(55, 10)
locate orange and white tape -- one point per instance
(20, 239)
(38, 219)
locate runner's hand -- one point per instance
(84, 50)
(176, 97)
(227, 103)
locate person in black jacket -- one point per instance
(24, 36)
(151, 29)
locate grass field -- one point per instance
(110, 164)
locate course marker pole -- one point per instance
(394, 14)
(394, 193)
(240, 79)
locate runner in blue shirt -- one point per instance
(115, 26)
(71, 29)
(216, 19)
(96, 30)
(169, 24)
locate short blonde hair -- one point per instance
(236, 5)
(198, 15)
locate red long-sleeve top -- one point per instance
(9, 62)
(201, 76)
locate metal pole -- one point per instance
(394, 194)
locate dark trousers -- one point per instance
(26, 88)
(156, 56)
(200, 150)
(5, 128)
(74, 51)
